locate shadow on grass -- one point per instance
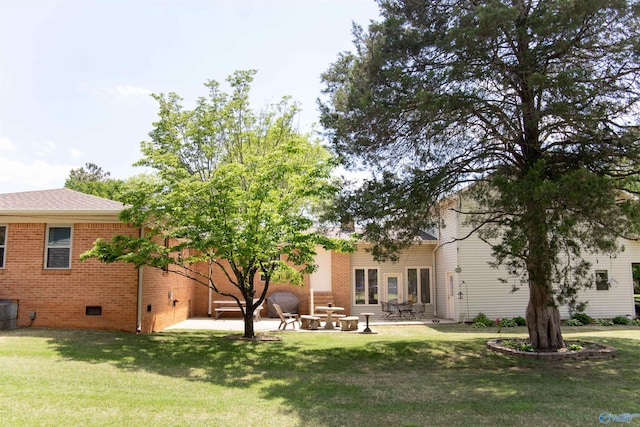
(371, 379)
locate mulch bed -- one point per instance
(590, 351)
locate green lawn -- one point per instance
(402, 376)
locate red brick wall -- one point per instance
(159, 291)
(340, 278)
(59, 297)
(201, 293)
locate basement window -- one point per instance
(93, 310)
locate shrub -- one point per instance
(508, 323)
(520, 321)
(583, 318)
(575, 347)
(518, 345)
(573, 322)
(525, 346)
(603, 322)
(621, 320)
(482, 321)
(635, 322)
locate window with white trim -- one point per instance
(58, 247)
(365, 286)
(3, 244)
(602, 280)
(418, 285)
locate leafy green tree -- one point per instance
(234, 191)
(531, 106)
(91, 179)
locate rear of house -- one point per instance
(43, 234)
(467, 285)
(43, 282)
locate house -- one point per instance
(466, 285)
(43, 234)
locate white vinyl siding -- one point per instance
(446, 259)
(58, 247)
(418, 256)
(618, 299)
(484, 292)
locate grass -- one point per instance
(402, 376)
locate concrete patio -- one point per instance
(271, 324)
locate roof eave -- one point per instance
(60, 212)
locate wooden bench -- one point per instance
(309, 322)
(349, 323)
(223, 308)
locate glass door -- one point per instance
(392, 287)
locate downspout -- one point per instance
(435, 281)
(139, 308)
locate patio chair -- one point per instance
(405, 310)
(390, 309)
(419, 310)
(386, 311)
(286, 318)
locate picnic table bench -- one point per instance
(230, 306)
(309, 322)
(349, 323)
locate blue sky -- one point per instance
(75, 76)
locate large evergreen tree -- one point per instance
(531, 105)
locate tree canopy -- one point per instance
(234, 190)
(532, 106)
(92, 179)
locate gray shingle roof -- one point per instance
(58, 200)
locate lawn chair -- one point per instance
(386, 311)
(419, 310)
(405, 310)
(389, 309)
(286, 318)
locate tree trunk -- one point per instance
(543, 316)
(543, 319)
(248, 322)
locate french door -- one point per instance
(393, 287)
